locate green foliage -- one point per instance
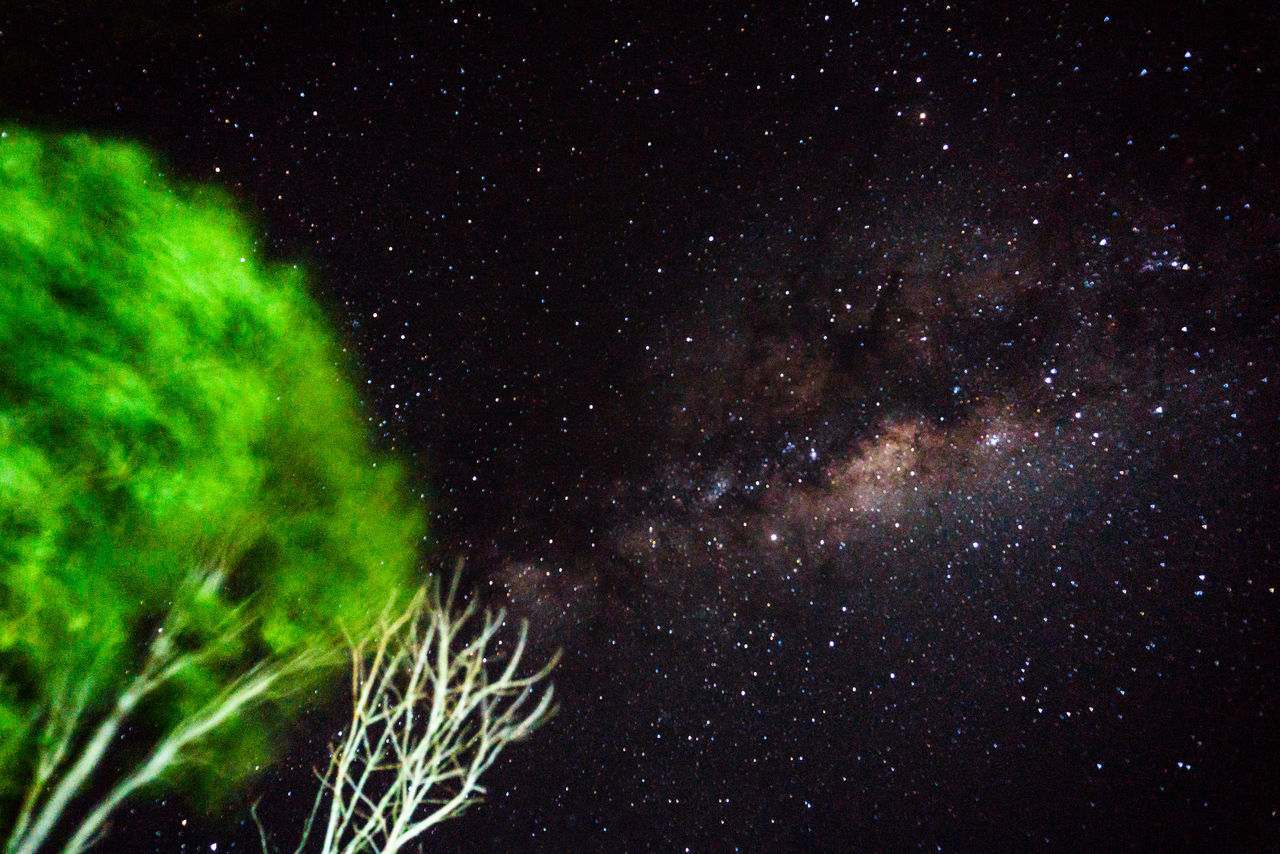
(168, 401)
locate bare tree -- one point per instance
(73, 749)
(428, 719)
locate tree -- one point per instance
(178, 436)
(428, 719)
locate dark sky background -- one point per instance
(876, 401)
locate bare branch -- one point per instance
(427, 720)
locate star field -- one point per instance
(876, 402)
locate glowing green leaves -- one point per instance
(168, 400)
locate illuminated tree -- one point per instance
(428, 719)
(178, 436)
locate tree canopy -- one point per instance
(170, 401)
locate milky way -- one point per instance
(940, 509)
(809, 420)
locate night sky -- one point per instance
(876, 401)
